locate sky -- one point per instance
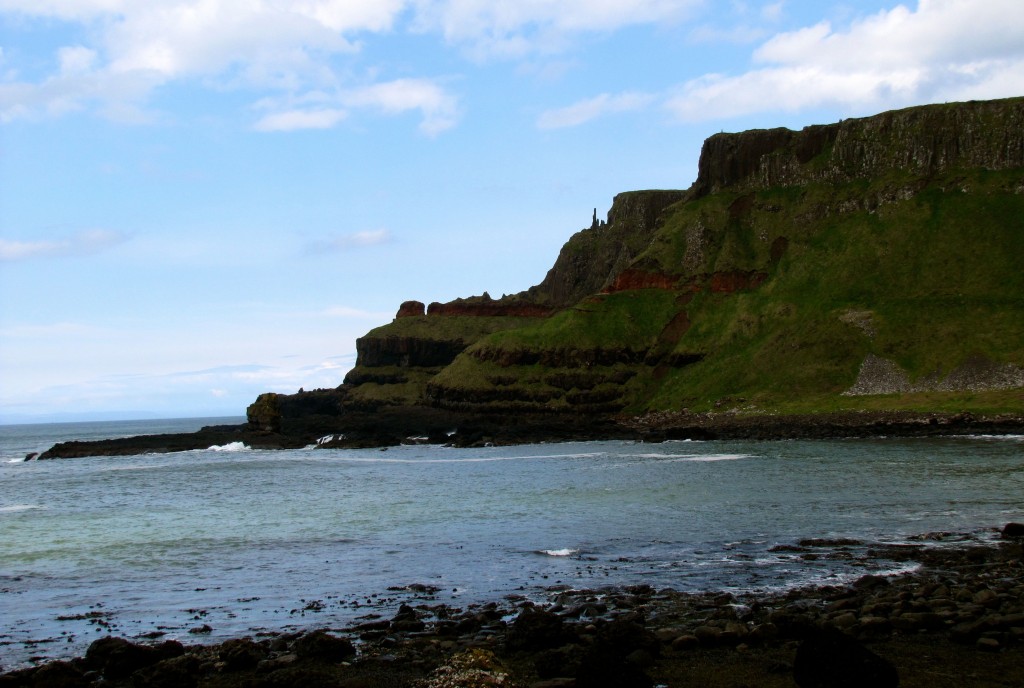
(203, 200)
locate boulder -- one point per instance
(117, 658)
(536, 629)
(241, 654)
(177, 672)
(1013, 530)
(59, 675)
(321, 646)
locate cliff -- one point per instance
(871, 268)
(871, 265)
(919, 142)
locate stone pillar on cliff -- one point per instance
(595, 224)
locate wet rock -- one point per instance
(59, 675)
(831, 659)
(845, 620)
(914, 621)
(241, 654)
(685, 642)
(985, 597)
(1013, 530)
(177, 672)
(117, 658)
(708, 635)
(284, 661)
(989, 644)
(622, 637)
(536, 629)
(321, 646)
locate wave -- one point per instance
(567, 552)
(14, 508)
(696, 458)
(475, 459)
(230, 447)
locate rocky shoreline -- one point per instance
(956, 620)
(482, 431)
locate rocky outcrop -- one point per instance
(919, 142)
(405, 352)
(881, 376)
(410, 309)
(485, 307)
(592, 259)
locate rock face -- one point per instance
(592, 259)
(879, 255)
(920, 142)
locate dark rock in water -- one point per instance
(536, 629)
(832, 659)
(323, 647)
(117, 658)
(1013, 530)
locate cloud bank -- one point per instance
(131, 48)
(942, 50)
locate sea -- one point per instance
(229, 541)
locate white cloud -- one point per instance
(514, 29)
(135, 47)
(592, 108)
(942, 50)
(82, 243)
(290, 120)
(347, 242)
(322, 110)
(141, 45)
(76, 59)
(437, 107)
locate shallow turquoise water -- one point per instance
(246, 540)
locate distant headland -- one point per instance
(858, 278)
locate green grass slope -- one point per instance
(928, 276)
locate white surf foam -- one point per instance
(14, 508)
(696, 458)
(230, 447)
(560, 552)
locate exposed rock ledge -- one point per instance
(881, 376)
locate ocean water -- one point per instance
(244, 541)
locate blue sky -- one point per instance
(202, 200)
